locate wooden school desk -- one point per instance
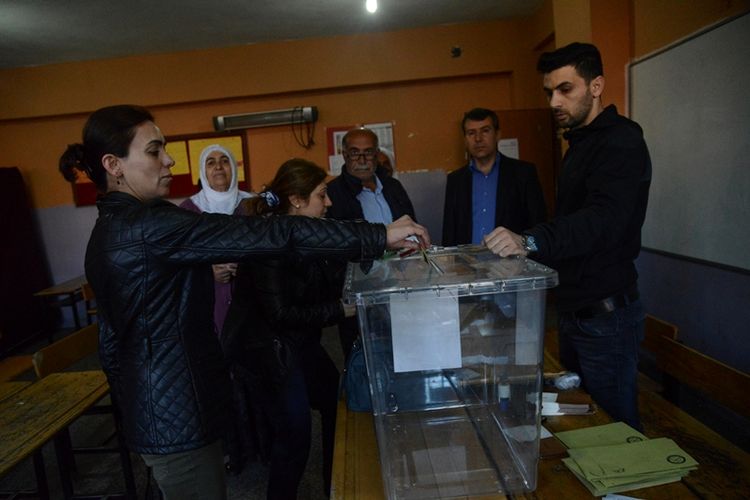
(357, 473)
(65, 294)
(35, 412)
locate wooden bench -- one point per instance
(725, 469)
(683, 365)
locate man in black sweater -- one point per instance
(595, 235)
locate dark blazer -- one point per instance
(520, 202)
(343, 191)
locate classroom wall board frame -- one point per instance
(691, 99)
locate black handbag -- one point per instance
(355, 383)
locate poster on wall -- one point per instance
(383, 130)
(185, 150)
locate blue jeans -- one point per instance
(604, 351)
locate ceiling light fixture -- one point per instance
(371, 6)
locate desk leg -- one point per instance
(42, 487)
(127, 465)
(74, 307)
(62, 455)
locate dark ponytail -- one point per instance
(108, 130)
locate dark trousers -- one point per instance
(190, 475)
(312, 382)
(603, 350)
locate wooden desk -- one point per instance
(65, 294)
(7, 389)
(33, 415)
(357, 472)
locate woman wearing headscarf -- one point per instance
(219, 194)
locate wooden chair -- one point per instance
(89, 299)
(13, 366)
(68, 350)
(57, 357)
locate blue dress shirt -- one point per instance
(374, 206)
(483, 200)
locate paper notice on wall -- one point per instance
(425, 331)
(335, 163)
(508, 147)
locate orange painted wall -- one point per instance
(405, 76)
(572, 21)
(408, 77)
(612, 32)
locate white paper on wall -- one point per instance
(508, 147)
(335, 163)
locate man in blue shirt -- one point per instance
(492, 189)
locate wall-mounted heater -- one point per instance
(301, 114)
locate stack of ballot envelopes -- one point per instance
(614, 457)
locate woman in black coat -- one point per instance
(149, 263)
(280, 306)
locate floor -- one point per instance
(99, 474)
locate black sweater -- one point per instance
(595, 235)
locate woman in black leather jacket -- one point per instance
(148, 262)
(274, 327)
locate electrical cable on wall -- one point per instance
(304, 137)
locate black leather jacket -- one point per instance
(147, 263)
(279, 307)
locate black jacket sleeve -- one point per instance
(613, 188)
(185, 237)
(286, 295)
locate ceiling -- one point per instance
(39, 32)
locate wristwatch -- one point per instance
(529, 243)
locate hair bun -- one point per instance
(72, 160)
(77, 150)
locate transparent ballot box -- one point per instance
(453, 347)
